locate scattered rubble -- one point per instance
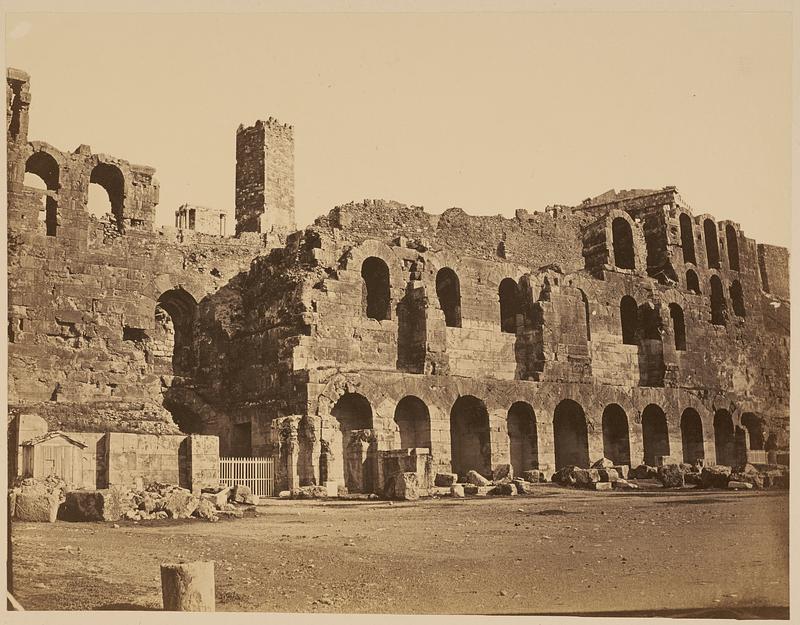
(46, 500)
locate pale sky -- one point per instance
(489, 112)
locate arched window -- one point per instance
(448, 291)
(41, 172)
(509, 305)
(172, 336)
(692, 282)
(110, 179)
(678, 326)
(733, 247)
(717, 302)
(737, 298)
(623, 243)
(628, 315)
(687, 238)
(376, 299)
(712, 245)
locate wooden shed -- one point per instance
(53, 453)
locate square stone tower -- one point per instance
(265, 178)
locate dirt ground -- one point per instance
(558, 551)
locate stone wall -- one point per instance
(307, 342)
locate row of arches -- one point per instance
(624, 257)
(711, 242)
(471, 444)
(643, 322)
(106, 191)
(636, 322)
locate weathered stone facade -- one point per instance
(625, 327)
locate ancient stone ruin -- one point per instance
(384, 339)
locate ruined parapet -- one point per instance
(614, 242)
(265, 178)
(773, 265)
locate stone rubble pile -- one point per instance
(46, 500)
(604, 475)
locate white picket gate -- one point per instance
(256, 473)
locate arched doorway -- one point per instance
(570, 435)
(724, 442)
(616, 438)
(655, 435)
(523, 444)
(42, 172)
(755, 430)
(106, 192)
(692, 436)
(470, 446)
(353, 413)
(413, 423)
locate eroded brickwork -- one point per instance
(625, 327)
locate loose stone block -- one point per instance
(473, 477)
(601, 486)
(469, 489)
(36, 507)
(671, 476)
(457, 490)
(445, 479)
(733, 485)
(93, 505)
(715, 476)
(188, 587)
(608, 475)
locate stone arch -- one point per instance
(174, 315)
(678, 326)
(616, 436)
(570, 435)
(692, 436)
(718, 312)
(376, 290)
(655, 434)
(522, 439)
(724, 437)
(353, 413)
(111, 179)
(509, 305)
(732, 242)
(737, 299)
(692, 282)
(413, 421)
(42, 166)
(755, 430)
(712, 243)
(629, 320)
(622, 241)
(470, 444)
(687, 238)
(448, 290)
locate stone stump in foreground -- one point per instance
(188, 587)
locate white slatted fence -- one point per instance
(256, 473)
